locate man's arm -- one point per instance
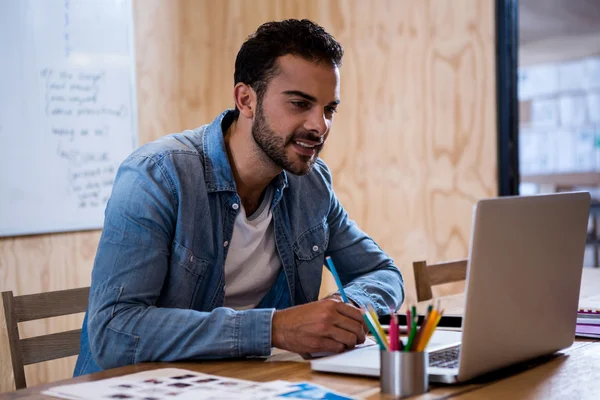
(125, 324)
(368, 274)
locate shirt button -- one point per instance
(225, 243)
(235, 206)
(315, 248)
(191, 258)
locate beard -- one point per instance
(274, 146)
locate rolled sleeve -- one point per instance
(254, 332)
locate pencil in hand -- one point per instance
(336, 277)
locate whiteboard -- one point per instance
(68, 114)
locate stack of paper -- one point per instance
(588, 323)
(181, 384)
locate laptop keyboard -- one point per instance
(447, 358)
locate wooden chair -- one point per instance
(427, 276)
(33, 350)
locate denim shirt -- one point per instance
(158, 279)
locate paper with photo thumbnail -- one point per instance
(155, 384)
(307, 390)
(181, 384)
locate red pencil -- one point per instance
(393, 332)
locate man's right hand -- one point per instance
(326, 325)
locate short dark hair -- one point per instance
(255, 64)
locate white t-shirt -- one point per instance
(252, 264)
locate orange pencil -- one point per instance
(428, 327)
(425, 340)
(423, 325)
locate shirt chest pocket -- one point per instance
(309, 251)
(185, 274)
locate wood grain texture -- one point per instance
(422, 282)
(7, 378)
(258, 371)
(412, 148)
(24, 351)
(571, 376)
(158, 41)
(283, 365)
(547, 376)
(49, 347)
(51, 304)
(427, 276)
(447, 272)
(44, 263)
(12, 332)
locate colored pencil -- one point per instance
(378, 339)
(338, 281)
(394, 346)
(377, 325)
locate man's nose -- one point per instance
(317, 123)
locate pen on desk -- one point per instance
(338, 281)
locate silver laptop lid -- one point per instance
(523, 279)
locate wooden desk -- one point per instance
(570, 374)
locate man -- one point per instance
(214, 239)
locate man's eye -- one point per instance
(301, 104)
(331, 110)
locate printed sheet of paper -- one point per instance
(181, 384)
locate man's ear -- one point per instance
(245, 99)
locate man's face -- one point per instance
(294, 117)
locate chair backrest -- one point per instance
(427, 276)
(40, 348)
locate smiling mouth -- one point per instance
(306, 149)
(306, 145)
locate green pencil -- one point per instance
(413, 330)
(373, 330)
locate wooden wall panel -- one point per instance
(413, 145)
(209, 49)
(158, 43)
(412, 148)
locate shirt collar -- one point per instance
(217, 170)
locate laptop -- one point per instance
(522, 290)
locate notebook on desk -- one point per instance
(523, 252)
(588, 323)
